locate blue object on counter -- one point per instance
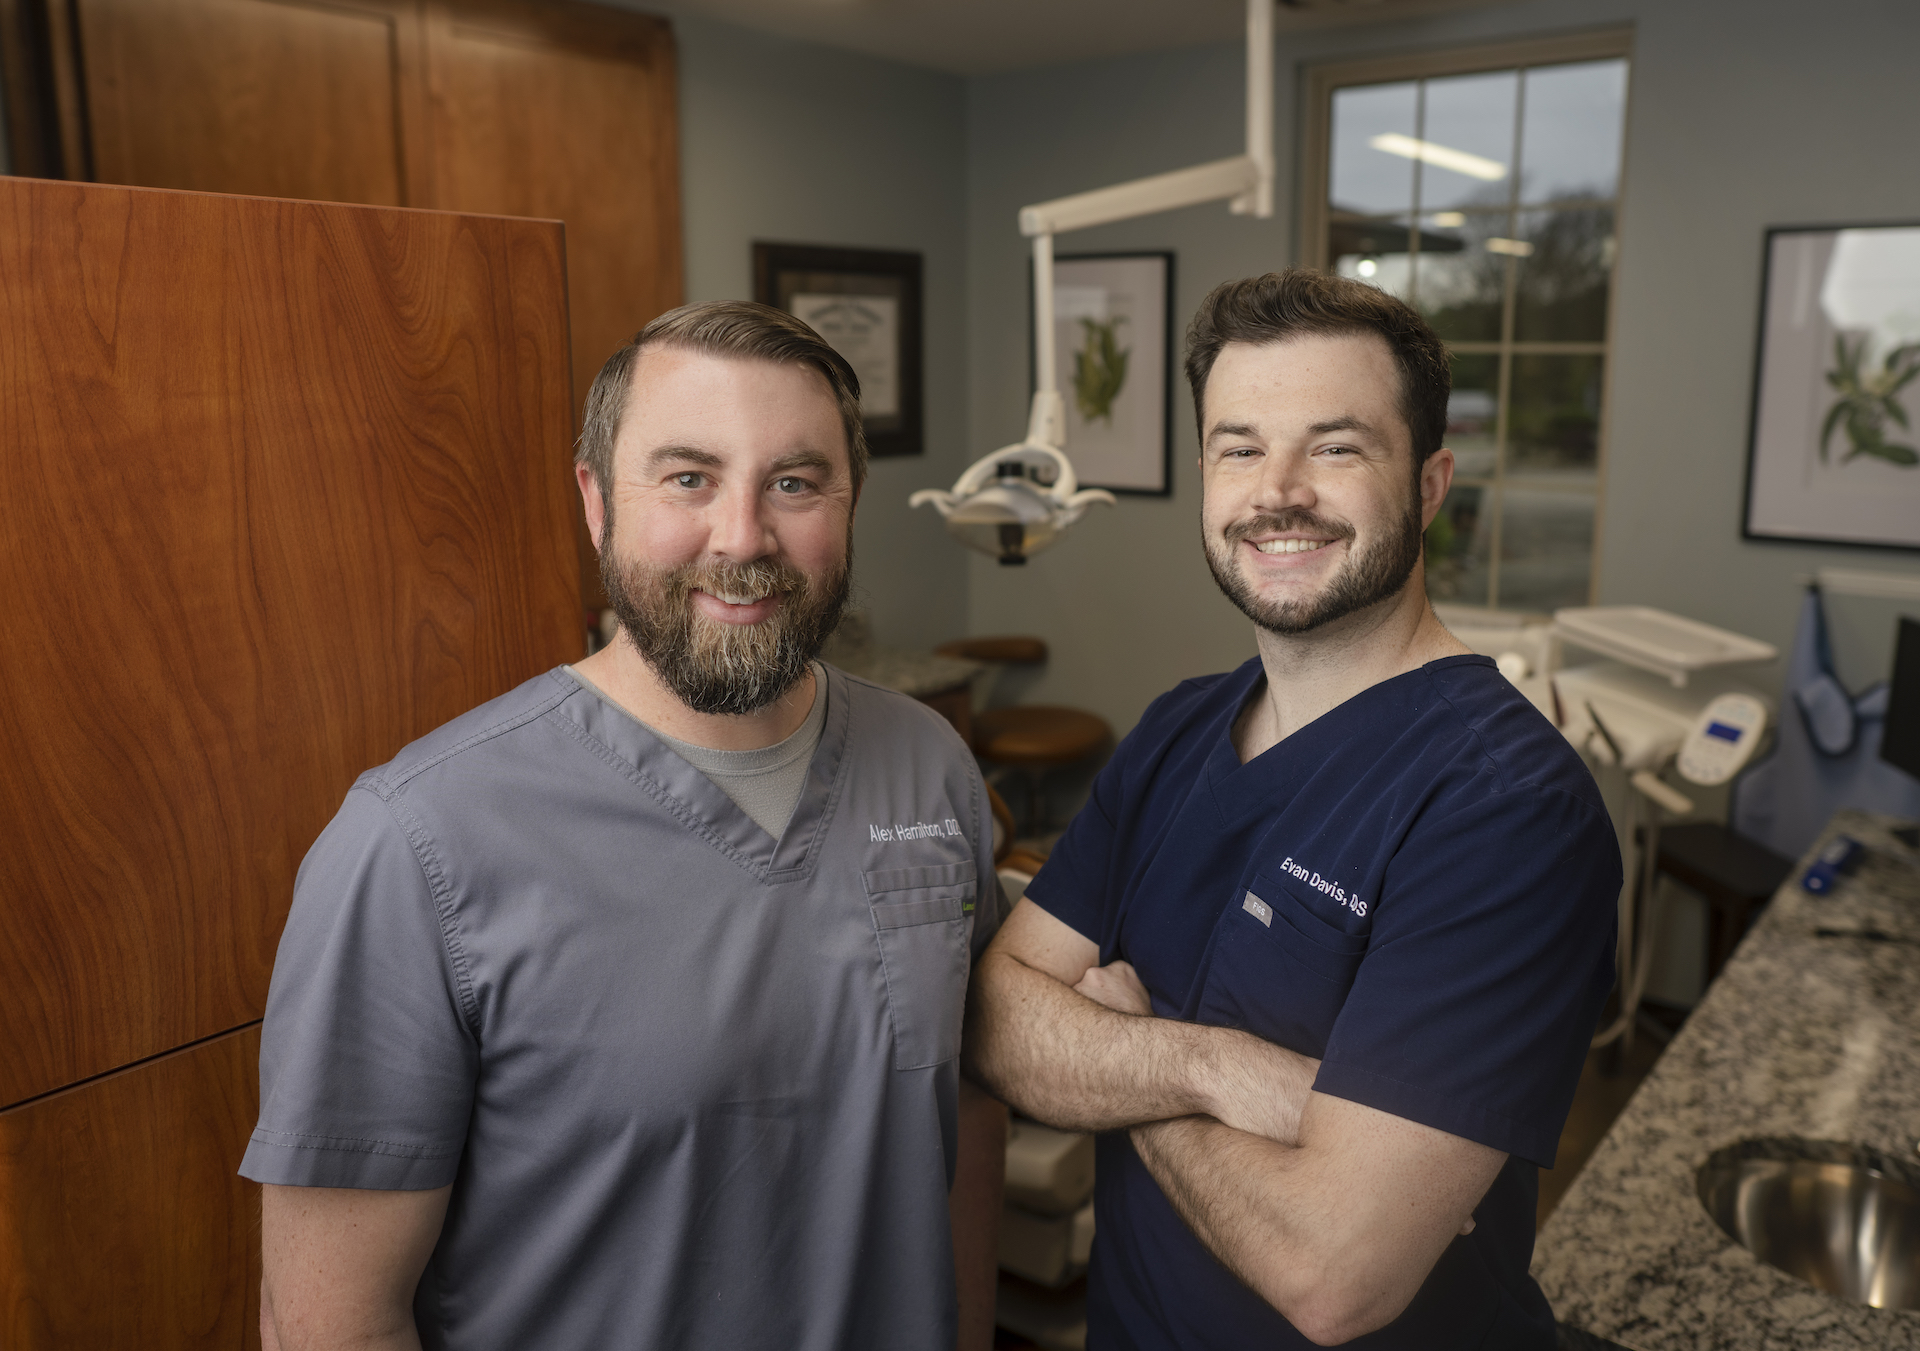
(1838, 858)
(1826, 755)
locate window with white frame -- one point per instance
(1483, 188)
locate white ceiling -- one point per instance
(979, 37)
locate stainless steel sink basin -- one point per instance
(1843, 1218)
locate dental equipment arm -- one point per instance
(1013, 517)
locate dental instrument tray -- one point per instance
(1657, 640)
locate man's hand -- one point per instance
(1252, 1089)
(1116, 986)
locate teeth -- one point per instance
(1291, 546)
(738, 600)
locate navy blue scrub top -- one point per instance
(1418, 889)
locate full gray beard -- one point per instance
(1365, 579)
(724, 668)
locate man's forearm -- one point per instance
(1230, 1188)
(1337, 1233)
(1063, 1059)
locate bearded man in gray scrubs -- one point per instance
(624, 1011)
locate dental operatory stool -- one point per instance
(1033, 738)
(1733, 874)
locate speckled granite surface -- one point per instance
(1801, 1036)
(911, 673)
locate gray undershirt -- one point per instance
(764, 783)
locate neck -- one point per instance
(1311, 674)
(624, 676)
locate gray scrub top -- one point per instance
(693, 1086)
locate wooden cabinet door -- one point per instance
(122, 1221)
(542, 108)
(277, 98)
(287, 484)
(558, 110)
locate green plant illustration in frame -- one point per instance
(1869, 400)
(1100, 368)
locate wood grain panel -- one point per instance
(122, 1221)
(272, 97)
(567, 112)
(287, 485)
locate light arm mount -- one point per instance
(1017, 500)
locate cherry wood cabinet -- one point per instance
(286, 486)
(541, 108)
(126, 1224)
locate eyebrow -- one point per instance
(1344, 424)
(803, 459)
(682, 455)
(679, 454)
(1232, 429)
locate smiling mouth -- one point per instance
(732, 598)
(1291, 546)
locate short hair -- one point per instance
(733, 328)
(1299, 302)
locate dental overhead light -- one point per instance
(1017, 501)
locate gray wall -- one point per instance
(795, 143)
(1741, 117)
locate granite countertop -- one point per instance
(917, 674)
(1801, 1037)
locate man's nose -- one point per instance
(738, 525)
(1286, 481)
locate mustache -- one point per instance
(721, 577)
(1279, 522)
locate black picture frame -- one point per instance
(782, 272)
(1089, 466)
(1791, 406)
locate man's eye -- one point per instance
(689, 480)
(789, 485)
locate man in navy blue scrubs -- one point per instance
(1322, 956)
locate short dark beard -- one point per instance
(1365, 579)
(724, 668)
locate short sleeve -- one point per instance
(1490, 957)
(367, 1064)
(1072, 885)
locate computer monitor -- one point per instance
(1900, 736)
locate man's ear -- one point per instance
(1436, 476)
(591, 501)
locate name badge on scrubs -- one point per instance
(1258, 908)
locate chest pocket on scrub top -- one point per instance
(920, 918)
(1277, 970)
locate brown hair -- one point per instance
(1298, 302)
(735, 328)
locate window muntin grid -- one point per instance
(1487, 199)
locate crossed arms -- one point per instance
(1331, 1211)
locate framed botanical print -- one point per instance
(1834, 455)
(1112, 336)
